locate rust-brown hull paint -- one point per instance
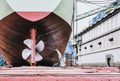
(53, 30)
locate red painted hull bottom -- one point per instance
(33, 16)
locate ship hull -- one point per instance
(53, 30)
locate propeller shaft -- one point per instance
(33, 38)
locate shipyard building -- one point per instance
(99, 44)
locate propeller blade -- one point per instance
(38, 57)
(59, 53)
(40, 46)
(26, 53)
(28, 42)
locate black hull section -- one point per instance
(14, 29)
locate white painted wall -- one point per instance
(100, 57)
(106, 44)
(97, 54)
(105, 27)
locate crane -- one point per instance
(97, 10)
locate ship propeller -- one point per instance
(27, 52)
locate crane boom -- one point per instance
(97, 10)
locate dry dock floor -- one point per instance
(41, 73)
